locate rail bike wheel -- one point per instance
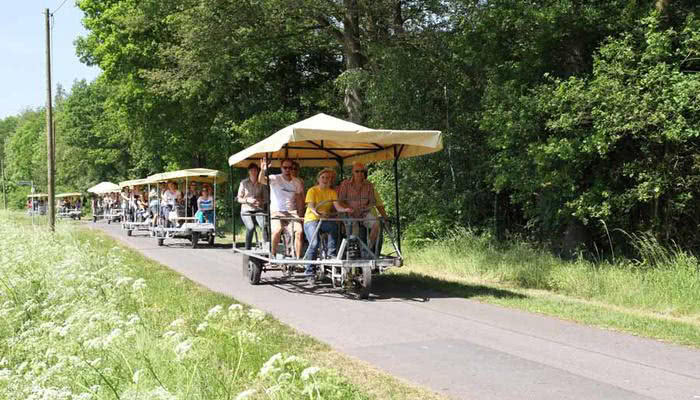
(254, 271)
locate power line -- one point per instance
(58, 8)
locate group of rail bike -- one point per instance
(182, 205)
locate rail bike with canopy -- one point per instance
(69, 205)
(326, 141)
(137, 218)
(178, 224)
(37, 203)
(106, 202)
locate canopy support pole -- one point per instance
(269, 206)
(233, 206)
(397, 154)
(187, 198)
(340, 164)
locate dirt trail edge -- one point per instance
(461, 348)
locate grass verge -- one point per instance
(656, 296)
(85, 318)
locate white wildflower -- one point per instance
(235, 307)
(214, 311)
(245, 394)
(202, 327)
(169, 334)
(256, 314)
(124, 281)
(137, 376)
(269, 365)
(95, 363)
(177, 323)
(161, 394)
(292, 359)
(182, 348)
(138, 284)
(116, 332)
(284, 377)
(308, 372)
(248, 336)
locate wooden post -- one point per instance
(49, 129)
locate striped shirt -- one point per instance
(205, 204)
(359, 197)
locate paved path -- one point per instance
(461, 348)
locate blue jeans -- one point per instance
(208, 216)
(329, 227)
(249, 221)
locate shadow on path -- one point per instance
(395, 287)
(414, 286)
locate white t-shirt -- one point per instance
(169, 197)
(282, 193)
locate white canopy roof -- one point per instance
(192, 174)
(72, 194)
(135, 182)
(323, 140)
(104, 187)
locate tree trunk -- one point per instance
(353, 58)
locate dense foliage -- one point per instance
(561, 119)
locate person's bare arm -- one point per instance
(341, 206)
(382, 211)
(262, 175)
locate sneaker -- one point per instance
(310, 277)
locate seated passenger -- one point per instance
(191, 200)
(358, 193)
(252, 196)
(205, 206)
(169, 200)
(320, 200)
(153, 205)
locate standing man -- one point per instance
(285, 193)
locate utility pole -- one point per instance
(49, 129)
(4, 193)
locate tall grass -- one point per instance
(81, 318)
(660, 280)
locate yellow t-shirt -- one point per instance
(316, 195)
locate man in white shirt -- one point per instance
(285, 193)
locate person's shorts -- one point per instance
(368, 221)
(279, 224)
